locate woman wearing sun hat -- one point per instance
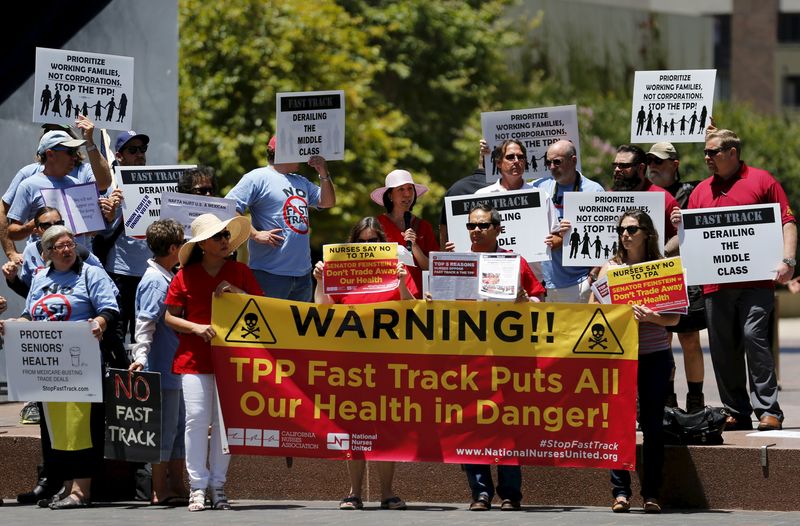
(205, 270)
(398, 196)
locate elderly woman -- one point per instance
(368, 230)
(69, 290)
(398, 196)
(206, 270)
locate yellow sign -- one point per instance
(251, 326)
(660, 268)
(359, 251)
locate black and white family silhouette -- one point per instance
(645, 120)
(52, 105)
(585, 244)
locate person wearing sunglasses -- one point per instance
(637, 242)
(738, 314)
(368, 230)
(564, 284)
(663, 162)
(206, 271)
(198, 181)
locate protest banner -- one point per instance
(458, 382)
(524, 215)
(310, 123)
(78, 205)
(672, 105)
(133, 415)
(142, 187)
(53, 361)
(731, 244)
(68, 83)
(592, 240)
(656, 284)
(536, 129)
(185, 208)
(359, 268)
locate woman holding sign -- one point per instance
(205, 270)
(398, 196)
(637, 243)
(368, 230)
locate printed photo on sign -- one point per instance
(536, 128)
(133, 415)
(672, 105)
(69, 83)
(142, 187)
(524, 215)
(592, 240)
(310, 123)
(185, 208)
(359, 268)
(731, 244)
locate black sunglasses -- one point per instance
(203, 190)
(133, 150)
(622, 166)
(482, 226)
(225, 234)
(45, 225)
(712, 152)
(70, 151)
(630, 229)
(515, 157)
(554, 162)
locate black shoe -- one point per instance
(43, 490)
(695, 402)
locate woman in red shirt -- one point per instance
(368, 230)
(205, 270)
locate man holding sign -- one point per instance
(738, 313)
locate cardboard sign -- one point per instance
(359, 268)
(68, 83)
(142, 187)
(672, 105)
(536, 128)
(133, 415)
(310, 123)
(656, 284)
(731, 244)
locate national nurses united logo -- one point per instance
(295, 210)
(598, 337)
(251, 326)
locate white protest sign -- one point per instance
(536, 129)
(142, 187)
(78, 206)
(310, 123)
(53, 361)
(592, 240)
(99, 86)
(731, 244)
(672, 105)
(185, 208)
(524, 215)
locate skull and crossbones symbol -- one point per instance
(251, 329)
(598, 330)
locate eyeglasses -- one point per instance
(70, 151)
(712, 152)
(64, 246)
(554, 162)
(631, 230)
(225, 234)
(203, 190)
(369, 240)
(45, 226)
(515, 157)
(655, 160)
(482, 226)
(133, 150)
(621, 166)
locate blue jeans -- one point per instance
(296, 288)
(653, 378)
(509, 481)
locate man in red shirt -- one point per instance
(738, 313)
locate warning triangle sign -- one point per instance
(598, 337)
(251, 326)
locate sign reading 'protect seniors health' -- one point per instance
(310, 123)
(499, 383)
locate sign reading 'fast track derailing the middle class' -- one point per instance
(456, 382)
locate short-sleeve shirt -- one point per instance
(191, 290)
(128, 256)
(282, 201)
(150, 306)
(375, 297)
(82, 172)
(426, 240)
(749, 186)
(465, 186)
(670, 230)
(76, 294)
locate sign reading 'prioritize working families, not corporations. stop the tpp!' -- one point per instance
(731, 244)
(310, 123)
(68, 83)
(673, 105)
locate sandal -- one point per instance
(218, 499)
(70, 502)
(482, 504)
(651, 505)
(393, 503)
(621, 504)
(351, 503)
(197, 500)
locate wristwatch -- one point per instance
(790, 261)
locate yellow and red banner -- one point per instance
(656, 284)
(359, 268)
(460, 382)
